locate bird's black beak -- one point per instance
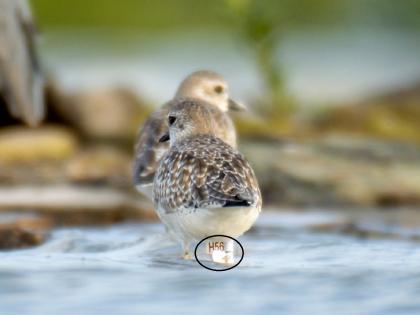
(165, 137)
(235, 106)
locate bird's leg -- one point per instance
(186, 250)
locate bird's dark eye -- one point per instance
(171, 120)
(218, 89)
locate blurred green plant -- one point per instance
(262, 24)
(141, 16)
(258, 28)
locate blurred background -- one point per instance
(332, 130)
(332, 89)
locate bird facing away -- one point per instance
(21, 82)
(201, 85)
(203, 186)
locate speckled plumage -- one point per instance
(204, 172)
(203, 186)
(149, 150)
(197, 86)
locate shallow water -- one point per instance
(135, 269)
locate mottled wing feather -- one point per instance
(204, 173)
(148, 149)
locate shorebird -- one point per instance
(21, 82)
(201, 85)
(203, 186)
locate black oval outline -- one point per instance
(232, 238)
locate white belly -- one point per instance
(198, 224)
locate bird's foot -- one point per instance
(186, 248)
(187, 255)
(222, 257)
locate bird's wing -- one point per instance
(22, 81)
(148, 149)
(210, 175)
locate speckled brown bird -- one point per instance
(207, 86)
(203, 186)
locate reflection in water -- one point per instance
(131, 268)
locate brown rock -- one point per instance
(12, 237)
(393, 115)
(75, 205)
(109, 113)
(365, 172)
(100, 165)
(21, 231)
(34, 155)
(19, 144)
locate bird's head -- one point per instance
(210, 87)
(188, 118)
